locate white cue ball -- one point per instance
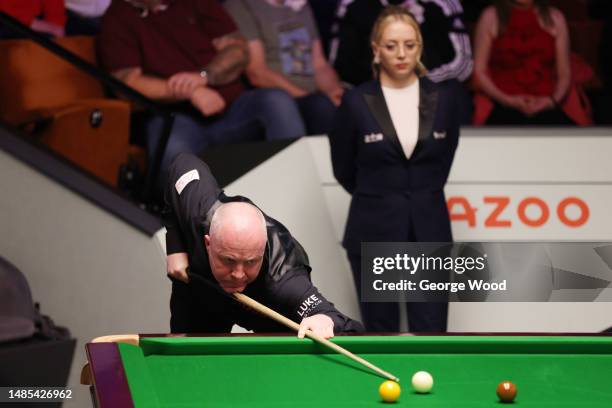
(422, 382)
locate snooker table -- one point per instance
(283, 371)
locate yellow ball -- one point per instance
(389, 391)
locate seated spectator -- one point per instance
(45, 16)
(285, 52)
(84, 16)
(522, 67)
(447, 52)
(189, 51)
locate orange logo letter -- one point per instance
(501, 203)
(468, 214)
(584, 212)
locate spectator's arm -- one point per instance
(261, 76)
(47, 27)
(562, 56)
(178, 87)
(53, 18)
(153, 87)
(325, 77)
(230, 61)
(486, 31)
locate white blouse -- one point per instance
(403, 105)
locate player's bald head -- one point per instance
(238, 222)
(236, 243)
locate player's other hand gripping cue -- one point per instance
(176, 266)
(320, 324)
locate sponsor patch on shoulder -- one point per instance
(185, 179)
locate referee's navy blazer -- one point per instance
(395, 198)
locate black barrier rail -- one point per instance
(111, 82)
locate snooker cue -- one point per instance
(266, 311)
(244, 299)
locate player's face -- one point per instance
(235, 264)
(397, 51)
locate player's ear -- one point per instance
(206, 240)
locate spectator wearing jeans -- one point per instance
(189, 52)
(285, 52)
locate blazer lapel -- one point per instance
(378, 107)
(428, 103)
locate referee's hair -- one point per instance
(239, 214)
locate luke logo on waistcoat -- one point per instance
(439, 135)
(308, 305)
(373, 137)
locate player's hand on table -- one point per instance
(208, 101)
(320, 324)
(176, 266)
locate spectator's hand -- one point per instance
(46, 27)
(519, 102)
(128, 75)
(298, 92)
(335, 95)
(207, 100)
(176, 266)
(320, 324)
(183, 84)
(537, 104)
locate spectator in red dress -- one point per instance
(522, 66)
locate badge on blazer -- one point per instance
(185, 179)
(439, 135)
(373, 137)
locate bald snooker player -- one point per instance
(230, 242)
